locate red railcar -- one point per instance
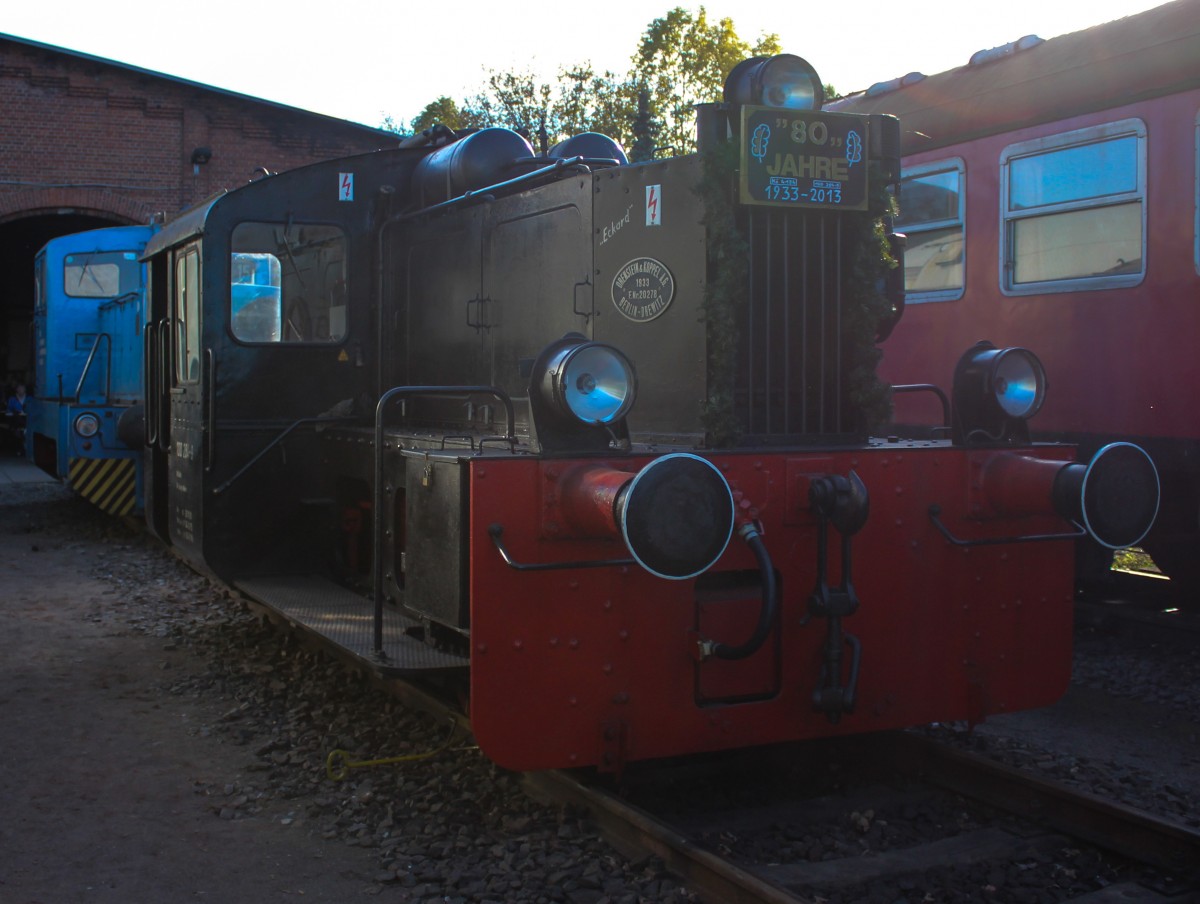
(1049, 197)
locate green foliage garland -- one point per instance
(728, 276)
(864, 265)
(866, 305)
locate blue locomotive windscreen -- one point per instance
(288, 283)
(101, 274)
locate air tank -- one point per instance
(480, 159)
(592, 145)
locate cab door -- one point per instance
(187, 401)
(175, 396)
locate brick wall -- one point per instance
(96, 137)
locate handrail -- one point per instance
(152, 400)
(936, 390)
(120, 300)
(163, 389)
(218, 490)
(210, 409)
(496, 532)
(377, 494)
(935, 512)
(88, 366)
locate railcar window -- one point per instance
(287, 283)
(1074, 210)
(931, 215)
(101, 274)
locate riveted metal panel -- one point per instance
(650, 283)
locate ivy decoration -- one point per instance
(866, 259)
(728, 277)
(865, 305)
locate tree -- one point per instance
(515, 100)
(445, 111)
(682, 61)
(587, 102)
(644, 129)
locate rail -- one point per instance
(1143, 837)
(1123, 829)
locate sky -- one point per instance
(364, 60)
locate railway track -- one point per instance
(1016, 819)
(1140, 594)
(982, 820)
(1148, 614)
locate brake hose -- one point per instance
(770, 600)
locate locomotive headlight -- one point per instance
(784, 81)
(87, 425)
(996, 390)
(590, 381)
(1018, 381)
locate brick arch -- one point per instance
(88, 200)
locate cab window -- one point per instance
(187, 317)
(101, 274)
(287, 283)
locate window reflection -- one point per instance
(288, 283)
(931, 215)
(1074, 174)
(1074, 210)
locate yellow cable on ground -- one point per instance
(338, 764)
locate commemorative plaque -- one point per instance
(803, 158)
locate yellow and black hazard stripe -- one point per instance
(108, 483)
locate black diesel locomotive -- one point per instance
(589, 442)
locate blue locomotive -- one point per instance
(81, 420)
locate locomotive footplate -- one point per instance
(347, 620)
